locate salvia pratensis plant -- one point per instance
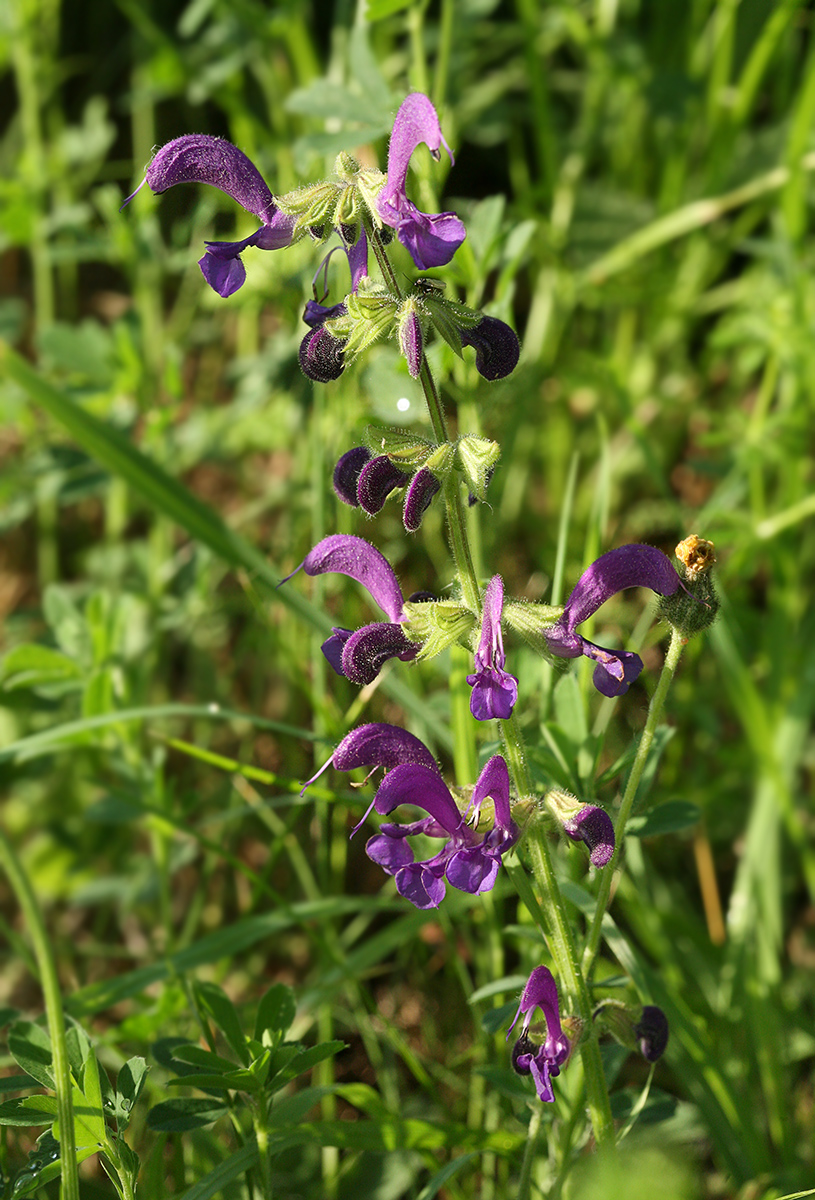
(505, 817)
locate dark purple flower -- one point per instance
(346, 474)
(497, 348)
(322, 356)
(377, 480)
(377, 745)
(542, 1062)
(431, 239)
(360, 655)
(494, 689)
(469, 863)
(411, 342)
(593, 826)
(418, 496)
(652, 1032)
(199, 158)
(627, 566)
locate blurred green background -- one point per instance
(636, 181)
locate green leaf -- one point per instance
(129, 1084)
(276, 1012)
(378, 9)
(30, 1110)
(179, 1116)
(215, 1003)
(670, 817)
(31, 666)
(304, 1060)
(30, 1046)
(434, 1185)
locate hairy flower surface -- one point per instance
(494, 689)
(377, 745)
(652, 1032)
(593, 826)
(528, 1058)
(497, 348)
(432, 239)
(628, 566)
(360, 655)
(467, 862)
(199, 158)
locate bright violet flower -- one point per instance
(628, 566)
(377, 745)
(494, 689)
(497, 348)
(542, 1062)
(431, 239)
(199, 158)
(469, 863)
(360, 655)
(593, 826)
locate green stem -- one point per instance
(657, 701)
(525, 1180)
(32, 916)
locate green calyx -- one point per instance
(400, 445)
(437, 624)
(446, 316)
(476, 458)
(531, 621)
(369, 316)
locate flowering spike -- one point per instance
(495, 691)
(628, 566)
(346, 474)
(377, 480)
(541, 1062)
(497, 348)
(431, 239)
(418, 496)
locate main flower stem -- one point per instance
(35, 925)
(657, 702)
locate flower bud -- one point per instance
(583, 823)
(411, 338)
(497, 348)
(346, 474)
(322, 356)
(377, 480)
(418, 496)
(476, 458)
(643, 1028)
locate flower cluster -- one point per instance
(466, 861)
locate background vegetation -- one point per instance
(636, 182)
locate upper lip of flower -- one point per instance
(432, 239)
(635, 565)
(494, 689)
(359, 655)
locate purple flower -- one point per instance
(418, 496)
(199, 158)
(316, 312)
(377, 745)
(652, 1032)
(469, 863)
(376, 481)
(411, 342)
(347, 472)
(360, 655)
(542, 1062)
(593, 826)
(494, 689)
(497, 348)
(431, 239)
(628, 566)
(321, 355)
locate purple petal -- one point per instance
(494, 782)
(358, 260)
(416, 121)
(391, 854)
(593, 826)
(635, 565)
(539, 1069)
(431, 239)
(616, 670)
(316, 314)
(322, 356)
(333, 647)
(422, 489)
(411, 343)
(494, 694)
(420, 885)
(199, 158)
(497, 348)
(380, 745)
(366, 651)
(353, 556)
(377, 480)
(346, 474)
(418, 785)
(224, 276)
(473, 870)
